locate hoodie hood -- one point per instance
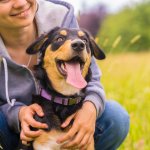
(3, 50)
(51, 13)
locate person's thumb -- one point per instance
(38, 109)
(67, 121)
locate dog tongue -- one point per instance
(74, 76)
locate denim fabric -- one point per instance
(111, 129)
(8, 139)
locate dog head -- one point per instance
(65, 56)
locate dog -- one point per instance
(63, 72)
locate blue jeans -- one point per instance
(111, 129)
(8, 139)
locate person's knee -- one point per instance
(2, 128)
(8, 139)
(112, 127)
(119, 120)
(2, 121)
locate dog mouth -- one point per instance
(62, 64)
(72, 71)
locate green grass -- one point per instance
(126, 79)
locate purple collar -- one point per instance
(60, 100)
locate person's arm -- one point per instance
(11, 107)
(94, 90)
(11, 114)
(27, 120)
(20, 118)
(82, 130)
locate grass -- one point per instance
(126, 79)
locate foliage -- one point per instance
(91, 20)
(131, 26)
(126, 80)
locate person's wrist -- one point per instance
(90, 106)
(21, 111)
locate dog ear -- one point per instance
(41, 43)
(95, 49)
(37, 45)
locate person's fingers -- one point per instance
(32, 122)
(75, 141)
(32, 134)
(25, 138)
(38, 109)
(91, 139)
(84, 142)
(69, 135)
(28, 133)
(67, 121)
(25, 143)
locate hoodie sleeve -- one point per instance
(94, 90)
(11, 114)
(12, 91)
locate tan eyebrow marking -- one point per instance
(80, 33)
(63, 32)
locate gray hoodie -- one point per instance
(17, 83)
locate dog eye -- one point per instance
(60, 39)
(84, 40)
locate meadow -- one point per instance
(126, 79)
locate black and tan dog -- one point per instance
(63, 72)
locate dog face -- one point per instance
(66, 57)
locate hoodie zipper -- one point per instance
(34, 79)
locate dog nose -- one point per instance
(78, 45)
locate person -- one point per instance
(21, 22)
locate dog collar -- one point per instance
(60, 100)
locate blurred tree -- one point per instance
(132, 25)
(92, 19)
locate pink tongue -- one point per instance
(74, 76)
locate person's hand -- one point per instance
(26, 114)
(81, 133)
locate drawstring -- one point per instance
(12, 101)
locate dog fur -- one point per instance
(60, 46)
